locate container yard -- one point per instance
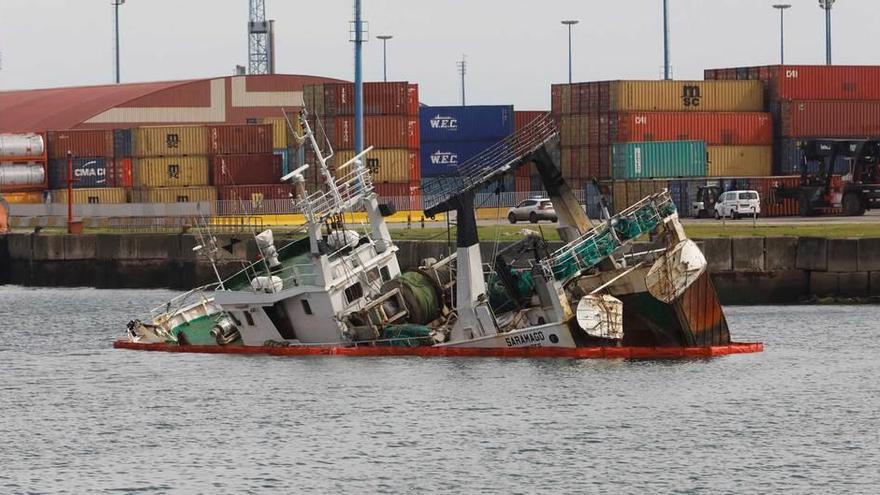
(749, 123)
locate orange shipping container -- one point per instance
(715, 128)
(80, 143)
(174, 195)
(240, 139)
(172, 171)
(169, 141)
(30, 197)
(397, 166)
(379, 132)
(740, 161)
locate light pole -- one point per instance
(826, 6)
(569, 23)
(462, 70)
(384, 38)
(666, 69)
(116, 4)
(782, 7)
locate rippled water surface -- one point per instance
(77, 416)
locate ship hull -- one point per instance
(626, 352)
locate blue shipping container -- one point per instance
(87, 172)
(438, 159)
(285, 160)
(457, 124)
(122, 147)
(789, 160)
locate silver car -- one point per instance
(533, 210)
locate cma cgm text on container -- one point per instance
(469, 123)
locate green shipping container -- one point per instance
(660, 159)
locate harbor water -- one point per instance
(81, 417)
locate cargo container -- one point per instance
(740, 161)
(284, 155)
(574, 130)
(169, 141)
(313, 98)
(255, 193)
(811, 82)
(443, 159)
(830, 119)
(468, 123)
(789, 160)
(26, 145)
(522, 118)
(659, 159)
(28, 197)
(122, 143)
(101, 195)
(231, 170)
(715, 128)
(174, 195)
(380, 131)
(585, 162)
(80, 143)
(282, 137)
(399, 166)
(626, 193)
(380, 98)
(124, 175)
(675, 96)
(87, 172)
(173, 171)
(22, 176)
(240, 139)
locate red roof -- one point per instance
(66, 108)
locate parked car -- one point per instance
(735, 204)
(533, 210)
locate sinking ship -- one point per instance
(631, 285)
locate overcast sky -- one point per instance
(514, 48)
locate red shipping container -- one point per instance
(81, 143)
(231, 170)
(124, 176)
(380, 98)
(255, 193)
(715, 128)
(240, 139)
(830, 119)
(814, 82)
(405, 196)
(522, 118)
(523, 184)
(380, 131)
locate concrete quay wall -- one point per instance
(750, 270)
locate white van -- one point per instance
(735, 204)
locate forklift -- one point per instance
(703, 206)
(820, 191)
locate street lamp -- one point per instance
(569, 23)
(116, 4)
(782, 7)
(826, 6)
(667, 71)
(384, 38)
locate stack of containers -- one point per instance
(526, 177)
(22, 167)
(391, 127)
(453, 135)
(170, 165)
(97, 177)
(814, 101)
(244, 168)
(606, 127)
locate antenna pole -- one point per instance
(462, 70)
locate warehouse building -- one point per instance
(230, 100)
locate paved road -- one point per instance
(870, 217)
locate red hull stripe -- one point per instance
(520, 352)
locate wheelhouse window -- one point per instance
(307, 308)
(248, 317)
(385, 273)
(354, 292)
